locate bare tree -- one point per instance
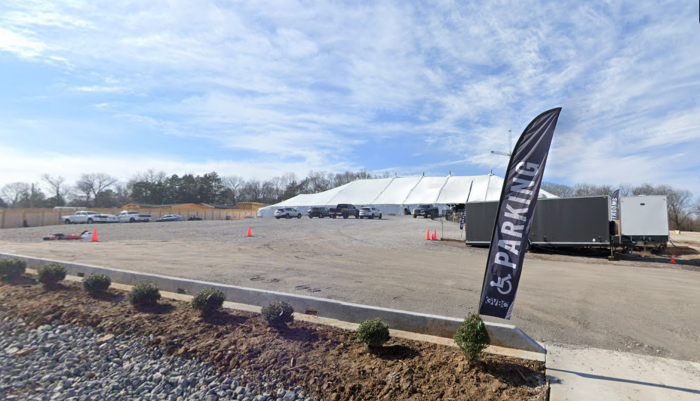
(268, 192)
(57, 187)
(317, 181)
(93, 184)
(14, 192)
(679, 207)
(625, 189)
(251, 191)
(560, 190)
(645, 189)
(233, 184)
(121, 194)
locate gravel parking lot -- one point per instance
(632, 305)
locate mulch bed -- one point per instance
(329, 362)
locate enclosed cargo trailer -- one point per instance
(557, 222)
(643, 221)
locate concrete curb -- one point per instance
(502, 335)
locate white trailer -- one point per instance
(644, 221)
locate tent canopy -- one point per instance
(391, 195)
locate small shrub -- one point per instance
(472, 337)
(12, 268)
(144, 294)
(278, 313)
(208, 300)
(51, 274)
(96, 283)
(373, 332)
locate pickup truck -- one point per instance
(127, 216)
(426, 211)
(345, 210)
(82, 216)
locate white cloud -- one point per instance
(273, 78)
(103, 89)
(28, 167)
(22, 46)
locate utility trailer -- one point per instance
(643, 222)
(557, 222)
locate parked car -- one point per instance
(370, 213)
(319, 212)
(194, 218)
(127, 216)
(105, 218)
(82, 216)
(287, 212)
(171, 217)
(345, 210)
(426, 211)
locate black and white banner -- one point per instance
(514, 218)
(614, 201)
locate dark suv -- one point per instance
(319, 212)
(426, 211)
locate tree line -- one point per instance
(102, 190)
(683, 213)
(158, 188)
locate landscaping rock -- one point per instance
(72, 363)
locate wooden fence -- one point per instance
(16, 218)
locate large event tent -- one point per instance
(392, 195)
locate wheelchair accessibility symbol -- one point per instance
(501, 282)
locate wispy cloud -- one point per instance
(350, 85)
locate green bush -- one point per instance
(96, 283)
(12, 268)
(472, 337)
(51, 274)
(208, 300)
(278, 313)
(373, 332)
(144, 294)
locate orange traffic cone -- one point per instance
(673, 259)
(94, 236)
(427, 235)
(435, 235)
(250, 231)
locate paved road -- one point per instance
(640, 307)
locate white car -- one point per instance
(370, 213)
(127, 216)
(82, 216)
(105, 218)
(287, 212)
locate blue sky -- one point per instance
(261, 88)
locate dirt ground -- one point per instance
(329, 362)
(642, 305)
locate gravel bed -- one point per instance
(391, 233)
(405, 231)
(71, 362)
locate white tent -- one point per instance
(392, 195)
